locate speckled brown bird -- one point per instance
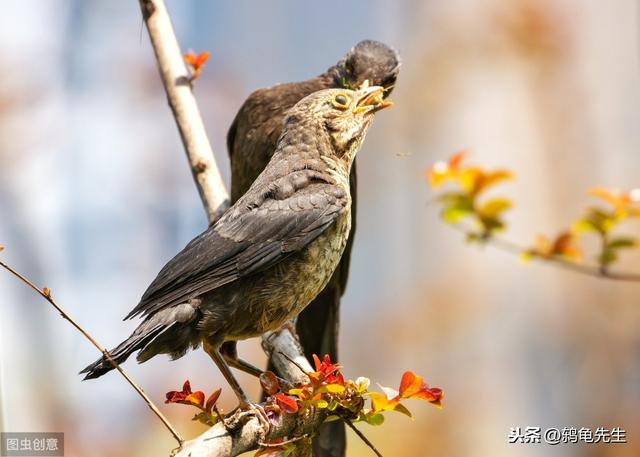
(271, 253)
(251, 142)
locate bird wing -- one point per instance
(252, 236)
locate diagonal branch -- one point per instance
(516, 249)
(46, 294)
(177, 84)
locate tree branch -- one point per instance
(177, 84)
(218, 441)
(514, 248)
(46, 294)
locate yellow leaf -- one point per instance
(492, 208)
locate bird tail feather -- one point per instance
(169, 331)
(120, 353)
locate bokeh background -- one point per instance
(96, 195)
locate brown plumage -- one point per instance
(251, 142)
(271, 253)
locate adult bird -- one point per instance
(271, 253)
(252, 140)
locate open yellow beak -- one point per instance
(370, 100)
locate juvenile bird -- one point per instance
(271, 253)
(251, 142)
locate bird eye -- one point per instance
(341, 101)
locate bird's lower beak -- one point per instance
(371, 100)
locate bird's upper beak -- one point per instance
(371, 99)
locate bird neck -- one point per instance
(312, 142)
(334, 76)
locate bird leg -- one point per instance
(245, 404)
(229, 351)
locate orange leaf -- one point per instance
(196, 398)
(196, 61)
(381, 402)
(286, 403)
(624, 203)
(442, 172)
(563, 245)
(456, 160)
(413, 386)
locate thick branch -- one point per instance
(287, 356)
(177, 84)
(218, 441)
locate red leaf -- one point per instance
(286, 403)
(213, 398)
(186, 396)
(269, 383)
(326, 371)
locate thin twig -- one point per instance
(293, 362)
(282, 443)
(46, 294)
(589, 270)
(362, 436)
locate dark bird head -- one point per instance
(368, 60)
(333, 121)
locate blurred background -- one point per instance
(96, 195)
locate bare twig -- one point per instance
(589, 270)
(176, 79)
(46, 294)
(282, 443)
(362, 437)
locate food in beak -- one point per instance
(372, 101)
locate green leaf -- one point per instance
(403, 409)
(206, 418)
(374, 419)
(607, 257)
(453, 214)
(596, 220)
(491, 224)
(622, 242)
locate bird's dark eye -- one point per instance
(341, 101)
